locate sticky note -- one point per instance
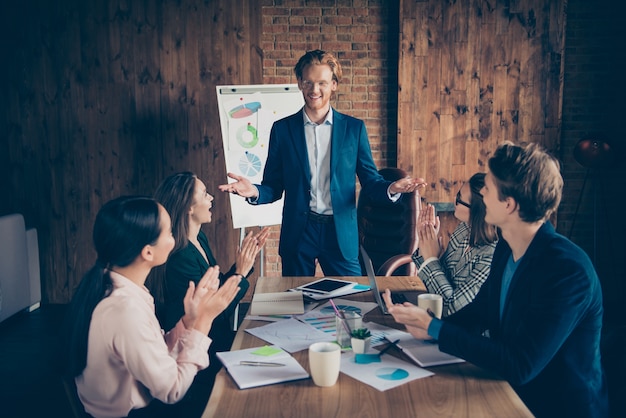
(266, 351)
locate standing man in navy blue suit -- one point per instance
(314, 157)
(537, 320)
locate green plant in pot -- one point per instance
(361, 333)
(360, 340)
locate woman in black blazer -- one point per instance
(189, 204)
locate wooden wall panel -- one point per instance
(493, 75)
(108, 98)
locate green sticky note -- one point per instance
(361, 287)
(266, 351)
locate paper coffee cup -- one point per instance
(431, 301)
(324, 362)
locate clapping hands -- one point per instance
(206, 300)
(250, 248)
(428, 232)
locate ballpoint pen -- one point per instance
(260, 363)
(342, 317)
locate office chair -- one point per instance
(388, 231)
(75, 405)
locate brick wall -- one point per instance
(363, 34)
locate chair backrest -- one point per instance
(76, 406)
(388, 229)
(14, 273)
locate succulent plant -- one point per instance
(361, 333)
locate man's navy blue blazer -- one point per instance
(547, 344)
(287, 169)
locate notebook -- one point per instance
(278, 303)
(261, 366)
(425, 353)
(397, 297)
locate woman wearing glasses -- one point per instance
(464, 266)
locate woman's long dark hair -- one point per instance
(123, 227)
(176, 194)
(481, 233)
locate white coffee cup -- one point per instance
(431, 301)
(324, 362)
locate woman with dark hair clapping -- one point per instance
(458, 274)
(114, 346)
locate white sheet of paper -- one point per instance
(290, 334)
(325, 308)
(253, 376)
(387, 374)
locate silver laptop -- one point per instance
(396, 297)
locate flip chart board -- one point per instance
(247, 114)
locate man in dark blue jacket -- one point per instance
(314, 158)
(537, 319)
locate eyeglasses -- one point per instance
(308, 85)
(459, 201)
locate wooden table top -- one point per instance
(458, 390)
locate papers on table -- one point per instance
(387, 374)
(279, 303)
(343, 304)
(262, 366)
(290, 334)
(299, 332)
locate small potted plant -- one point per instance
(360, 340)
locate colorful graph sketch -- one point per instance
(250, 164)
(291, 335)
(244, 110)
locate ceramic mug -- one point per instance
(324, 362)
(431, 301)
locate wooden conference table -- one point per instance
(458, 390)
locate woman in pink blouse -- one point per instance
(119, 356)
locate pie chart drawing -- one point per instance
(244, 110)
(247, 136)
(391, 373)
(250, 164)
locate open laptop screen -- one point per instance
(369, 268)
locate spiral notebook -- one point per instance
(278, 303)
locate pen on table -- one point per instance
(391, 344)
(260, 363)
(342, 317)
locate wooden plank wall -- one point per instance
(473, 74)
(107, 98)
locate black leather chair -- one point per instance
(388, 231)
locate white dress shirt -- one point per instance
(318, 137)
